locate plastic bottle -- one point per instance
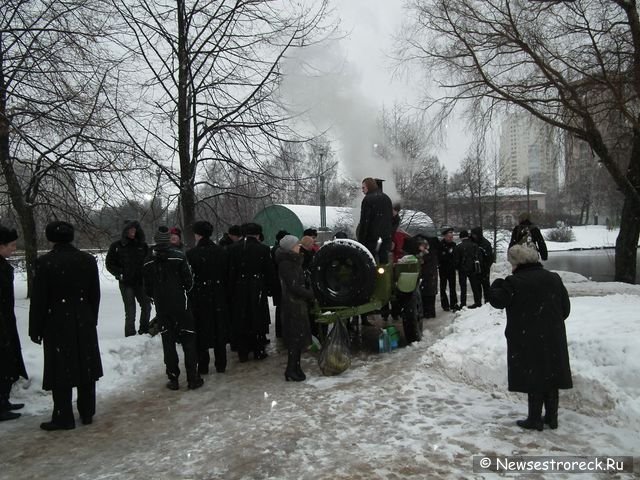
(387, 341)
(381, 342)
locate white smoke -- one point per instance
(324, 89)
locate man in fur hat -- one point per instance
(64, 317)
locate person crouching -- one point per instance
(537, 305)
(295, 313)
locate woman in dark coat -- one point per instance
(208, 298)
(537, 305)
(11, 363)
(295, 311)
(64, 316)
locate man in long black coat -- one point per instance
(11, 362)
(376, 221)
(467, 260)
(64, 317)
(208, 298)
(486, 259)
(251, 281)
(537, 305)
(125, 260)
(167, 280)
(447, 271)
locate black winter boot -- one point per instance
(293, 363)
(298, 367)
(173, 384)
(5, 410)
(551, 400)
(534, 419)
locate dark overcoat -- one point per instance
(126, 256)
(167, 279)
(64, 313)
(485, 249)
(296, 329)
(376, 218)
(251, 281)
(429, 269)
(208, 296)
(465, 256)
(11, 362)
(446, 257)
(537, 304)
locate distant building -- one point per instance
(527, 151)
(464, 211)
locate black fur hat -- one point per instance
(60, 232)
(203, 228)
(251, 229)
(7, 235)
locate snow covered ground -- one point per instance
(586, 237)
(419, 412)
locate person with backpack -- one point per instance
(486, 259)
(526, 233)
(467, 262)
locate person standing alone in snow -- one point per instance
(537, 305)
(64, 317)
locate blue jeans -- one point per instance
(131, 294)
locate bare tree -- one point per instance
(208, 75)
(418, 174)
(574, 65)
(59, 150)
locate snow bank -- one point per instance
(603, 334)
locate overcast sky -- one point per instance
(371, 26)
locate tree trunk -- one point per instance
(627, 241)
(187, 164)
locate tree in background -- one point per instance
(574, 65)
(207, 76)
(60, 149)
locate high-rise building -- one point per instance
(527, 151)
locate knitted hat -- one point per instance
(162, 236)
(447, 230)
(288, 242)
(175, 231)
(310, 232)
(203, 228)
(59, 232)
(463, 234)
(234, 230)
(7, 235)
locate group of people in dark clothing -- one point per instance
(216, 294)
